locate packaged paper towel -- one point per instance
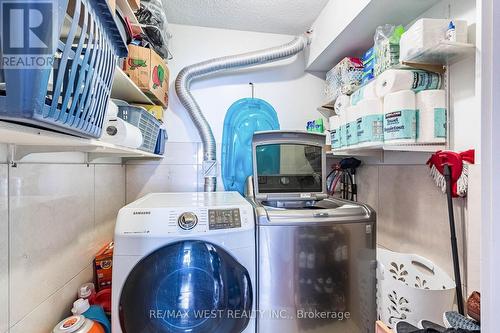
(427, 33)
(335, 132)
(341, 104)
(432, 124)
(351, 126)
(400, 117)
(371, 121)
(365, 92)
(400, 79)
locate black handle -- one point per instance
(454, 247)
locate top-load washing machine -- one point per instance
(316, 261)
(184, 262)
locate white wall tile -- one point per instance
(55, 308)
(473, 233)
(412, 214)
(176, 153)
(4, 250)
(51, 231)
(144, 179)
(367, 178)
(109, 198)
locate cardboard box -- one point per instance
(103, 266)
(134, 4)
(155, 110)
(149, 72)
(112, 6)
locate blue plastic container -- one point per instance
(244, 118)
(72, 96)
(161, 143)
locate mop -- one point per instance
(450, 172)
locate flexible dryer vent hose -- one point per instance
(197, 71)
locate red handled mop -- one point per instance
(450, 172)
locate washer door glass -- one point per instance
(188, 286)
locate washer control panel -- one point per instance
(224, 218)
(187, 220)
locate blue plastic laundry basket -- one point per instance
(72, 96)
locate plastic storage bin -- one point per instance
(146, 122)
(161, 142)
(72, 95)
(411, 288)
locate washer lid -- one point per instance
(330, 210)
(289, 165)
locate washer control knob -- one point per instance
(188, 220)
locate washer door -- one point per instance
(188, 286)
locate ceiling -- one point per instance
(273, 16)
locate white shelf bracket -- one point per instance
(92, 157)
(18, 152)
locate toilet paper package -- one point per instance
(432, 117)
(400, 117)
(371, 121)
(427, 33)
(335, 132)
(365, 92)
(417, 80)
(341, 104)
(352, 126)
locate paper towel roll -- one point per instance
(341, 104)
(400, 117)
(335, 132)
(119, 132)
(365, 92)
(396, 80)
(371, 106)
(370, 129)
(351, 125)
(431, 106)
(112, 111)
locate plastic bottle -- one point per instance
(87, 291)
(451, 33)
(81, 307)
(78, 324)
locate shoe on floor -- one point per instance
(454, 319)
(424, 324)
(404, 327)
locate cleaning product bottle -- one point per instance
(93, 312)
(451, 33)
(78, 324)
(87, 291)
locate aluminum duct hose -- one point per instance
(197, 71)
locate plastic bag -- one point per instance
(153, 20)
(344, 78)
(386, 47)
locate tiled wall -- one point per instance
(54, 217)
(412, 215)
(180, 171)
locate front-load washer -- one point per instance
(184, 262)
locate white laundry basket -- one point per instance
(411, 288)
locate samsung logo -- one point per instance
(141, 213)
